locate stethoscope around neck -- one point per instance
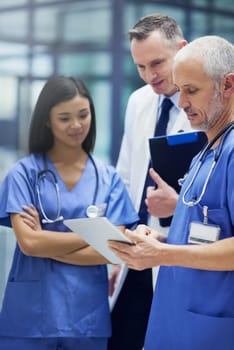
(224, 132)
(91, 211)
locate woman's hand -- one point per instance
(30, 217)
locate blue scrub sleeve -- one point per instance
(16, 190)
(120, 209)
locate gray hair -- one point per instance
(215, 53)
(166, 25)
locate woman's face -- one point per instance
(70, 122)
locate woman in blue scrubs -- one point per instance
(56, 295)
(193, 305)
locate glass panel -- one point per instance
(15, 66)
(47, 24)
(47, 1)
(132, 78)
(28, 95)
(13, 25)
(224, 5)
(85, 63)
(13, 49)
(199, 24)
(8, 97)
(88, 24)
(42, 65)
(7, 245)
(224, 27)
(130, 68)
(211, 25)
(10, 3)
(36, 88)
(101, 94)
(13, 59)
(7, 236)
(74, 23)
(203, 3)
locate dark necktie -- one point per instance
(160, 129)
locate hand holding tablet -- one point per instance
(97, 232)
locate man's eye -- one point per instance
(156, 63)
(191, 91)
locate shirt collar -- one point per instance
(174, 98)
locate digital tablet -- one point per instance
(97, 232)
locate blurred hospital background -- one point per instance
(88, 38)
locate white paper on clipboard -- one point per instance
(119, 283)
(97, 232)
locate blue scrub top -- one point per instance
(194, 309)
(46, 298)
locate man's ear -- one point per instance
(182, 43)
(228, 88)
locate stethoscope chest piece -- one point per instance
(92, 211)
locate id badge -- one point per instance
(201, 233)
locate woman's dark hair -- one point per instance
(56, 90)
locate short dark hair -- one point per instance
(56, 90)
(157, 22)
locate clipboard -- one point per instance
(171, 156)
(97, 232)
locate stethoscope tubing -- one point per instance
(223, 133)
(59, 217)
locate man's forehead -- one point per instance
(190, 69)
